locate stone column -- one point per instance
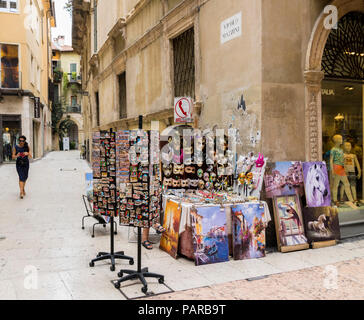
(313, 115)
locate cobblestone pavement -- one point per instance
(46, 254)
(339, 281)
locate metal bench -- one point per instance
(91, 214)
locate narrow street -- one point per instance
(44, 238)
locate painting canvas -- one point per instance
(171, 222)
(317, 186)
(289, 221)
(283, 179)
(321, 224)
(210, 239)
(248, 231)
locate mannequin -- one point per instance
(350, 163)
(337, 169)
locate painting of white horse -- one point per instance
(317, 187)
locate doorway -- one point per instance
(10, 128)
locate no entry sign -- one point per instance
(182, 109)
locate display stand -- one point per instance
(140, 273)
(112, 255)
(323, 244)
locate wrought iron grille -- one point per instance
(344, 51)
(184, 64)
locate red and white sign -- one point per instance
(182, 109)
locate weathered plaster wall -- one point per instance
(287, 27)
(231, 70)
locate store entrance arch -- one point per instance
(314, 76)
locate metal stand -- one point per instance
(112, 255)
(140, 273)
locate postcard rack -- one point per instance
(140, 273)
(105, 196)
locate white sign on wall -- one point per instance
(231, 28)
(66, 144)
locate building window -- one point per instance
(9, 5)
(73, 67)
(184, 64)
(9, 66)
(122, 95)
(73, 101)
(97, 109)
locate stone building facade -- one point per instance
(67, 93)
(265, 80)
(25, 71)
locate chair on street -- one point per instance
(92, 214)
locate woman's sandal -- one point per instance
(159, 229)
(147, 245)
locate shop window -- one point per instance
(9, 66)
(122, 95)
(184, 64)
(342, 100)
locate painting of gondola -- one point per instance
(248, 225)
(289, 223)
(171, 222)
(210, 238)
(283, 179)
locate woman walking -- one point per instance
(22, 154)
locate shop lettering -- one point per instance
(149, 310)
(203, 309)
(328, 92)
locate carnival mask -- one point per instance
(167, 170)
(167, 182)
(193, 183)
(185, 183)
(176, 183)
(206, 176)
(178, 169)
(190, 169)
(241, 178)
(201, 184)
(260, 161)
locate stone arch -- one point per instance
(313, 76)
(79, 130)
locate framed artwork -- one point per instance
(283, 179)
(289, 223)
(210, 240)
(248, 223)
(317, 185)
(321, 224)
(171, 222)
